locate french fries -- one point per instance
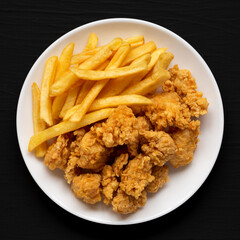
(69, 79)
(117, 85)
(64, 60)
(115, 62)
(115, 101)
(65, 127)
(70, 101)
(38, 124)
(148, 84)
(118, 72)
(86, 87)
(139, 51)
(45, 100)
(92, 42)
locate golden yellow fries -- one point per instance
(148, 84)
(98, 86)
(117, 85)
(115, 101)
(96, 75)
(38, 124)
(47, 80)
(121, 72)
(92, 42)
(64, 60)
(139, 51)
(70, 101)
(65, 127)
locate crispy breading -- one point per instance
(58, 153)
(72, 169)
(125, 204)
(119, 162)
(136, 176)
(161, 177)
(186, 141)
(181, 82)
(197, 104)
(109, 183)
(158, 145)
(168, 110)
(142, 123)
(118, 128)
(87, 187)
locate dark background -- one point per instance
(29, 27)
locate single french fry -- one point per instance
(115, 101)
(83, 56)
(163, 62)
(57, 105)
(38, 124)
(70, 101)
(119, 56)
(154, 58)
(82, 108)
(117, 85)
(66, 81)
(102, 55)
(138, 52)
(87, 85)
(65, 127)
(103, 65)
(100, 75)
(137, 44)
(47, 80)
(64, 61)
(148, 84)
(135, 39)
(91, 43)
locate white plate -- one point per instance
(184, 182)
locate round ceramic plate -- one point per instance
(184, 182)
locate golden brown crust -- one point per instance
(58, 153)
(158, 145)
(125, 204)
(161, 177)
(136, 176)
(186, 141)
(87, 187)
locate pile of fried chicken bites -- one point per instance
(125, 154)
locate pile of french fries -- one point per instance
(78, 90)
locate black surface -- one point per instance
(29, 27)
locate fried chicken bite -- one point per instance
(196, 103)
(167, 110)
(119, 162)
(125, 204)
(58, 153)
(158, 145)
(87, 187)
(186, 141)
(136, 176)
(93, 155)
(118, 129)
(183, 83)
(72, 170)
(142, 123)
(109, 183)
(161, 177)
